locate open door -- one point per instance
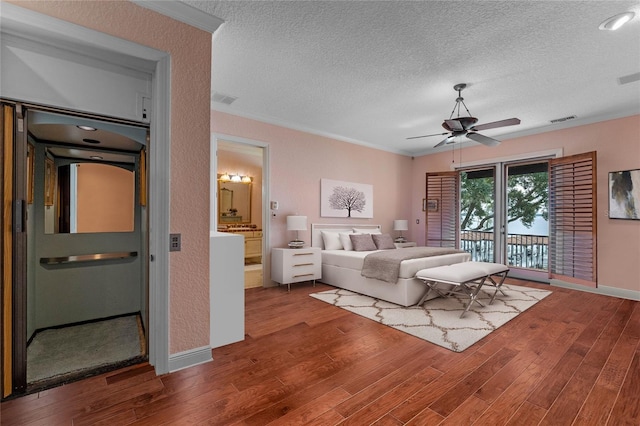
(13, 156)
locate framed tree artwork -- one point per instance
(345, 199)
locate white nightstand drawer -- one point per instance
(295, 265)
(406, 244)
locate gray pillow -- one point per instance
(383, 241)
(362, 242)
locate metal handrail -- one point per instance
(87, 258)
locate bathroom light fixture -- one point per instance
(87, 128)
(615, 22)
(400, 225)
(296, 223)
(236, 178)
(246, 179)
(224, 177)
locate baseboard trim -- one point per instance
(601, 289)
(189, 358)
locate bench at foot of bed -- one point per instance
(466, 278)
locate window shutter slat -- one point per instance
(443, 222)
(572, 208)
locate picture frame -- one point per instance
(432, 205)
(49, 181)
(30, 172)
(624, 194)
(345, 199)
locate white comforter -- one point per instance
(408, 268)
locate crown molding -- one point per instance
(183, 12)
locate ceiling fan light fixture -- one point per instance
(615, 22)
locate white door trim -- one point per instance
(29, 24)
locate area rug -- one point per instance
(438, 320)
(61, 353)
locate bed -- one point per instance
(343, 268)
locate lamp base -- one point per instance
(400, 240)
(296, 244)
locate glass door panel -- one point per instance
(478, 213)
(527, 226)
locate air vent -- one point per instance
(223, 99)
(563, 119)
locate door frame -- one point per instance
(26, 23)
(266, 176)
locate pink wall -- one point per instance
(105, 208)
(617, 143)
(190, 50)
(299, 160)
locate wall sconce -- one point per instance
(226, 177)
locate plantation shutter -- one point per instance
(442, 221)
(572, 219)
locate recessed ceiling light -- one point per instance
(94, 141)
(616, 21)
(87, 128)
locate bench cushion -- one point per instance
(461, 272)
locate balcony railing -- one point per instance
(523, 251)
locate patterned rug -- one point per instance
(438, 321)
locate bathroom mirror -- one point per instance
(89, 198)
(234, 202)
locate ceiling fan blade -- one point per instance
(444, 141)
(427, 136)
(483, 139)
(453, 125)
(494, 124)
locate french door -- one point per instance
(536, 216)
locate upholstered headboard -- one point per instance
(317, 228)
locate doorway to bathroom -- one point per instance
(240, 201)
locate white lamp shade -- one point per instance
(401, 225)
(296, 223)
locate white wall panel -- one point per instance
(35, 72)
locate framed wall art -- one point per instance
(624, 194)
(345, 199)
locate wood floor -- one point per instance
(572, 359)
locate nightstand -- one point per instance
(295, 265)
(405, 244)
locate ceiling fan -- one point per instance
(466, 126)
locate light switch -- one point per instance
(175, 243)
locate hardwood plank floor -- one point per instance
(572, 359)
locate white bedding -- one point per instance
(408, 268)
(342, 268)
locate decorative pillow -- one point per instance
(346, 241)
(331, 241)
(383, 241)
(362, 242)
(367, 231)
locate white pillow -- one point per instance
(331, 240)
(367, 231)
(346, 241)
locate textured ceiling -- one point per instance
(377, 72)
